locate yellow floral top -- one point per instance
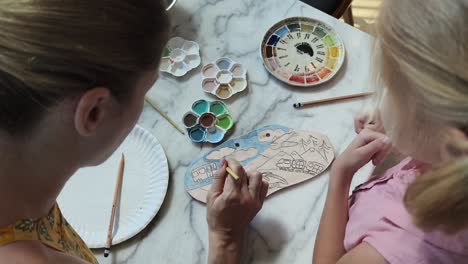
(52, 230)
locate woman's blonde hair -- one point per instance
(423, 53)
(54, 49)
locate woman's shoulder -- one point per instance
(33, 252)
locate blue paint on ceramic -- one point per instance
(224, 64)
(282, 31)
(197, 134)
(215, 136)
(273, 40)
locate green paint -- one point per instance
(218, 108)
(320, 32)
(225, 122)
(167, 52)
(200, 107)
(329, 41)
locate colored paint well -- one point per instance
(331, 63)
(297, 79)
(218, 108)
(294, 27)
(269, 51)
(238, 85)
(333, 52)
(319, 32)
(307, 27)
(329, 41)
(215, 136)
(224, 63)
(224, 91)
(200, 107)
(207, 120)
(190, 120)
(167, 52)
(323, 73)
(282, 31)
(238, 70)
(197, 134)
(273, 64)
(224, 77)
(273, 40)
(209, 85)
(210, 70)
(225, 122)
(312, 79)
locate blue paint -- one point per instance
(201, 107)
(197, 134)
(282, 31)
(245, 142)
(216, 136)
(224, 64)
(273, 40)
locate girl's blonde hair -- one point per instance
(54, 49)
(423, 46)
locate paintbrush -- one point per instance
(330, 100)
(117, 191)
(153, 104)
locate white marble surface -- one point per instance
(285, 229)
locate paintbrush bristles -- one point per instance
(118, 186)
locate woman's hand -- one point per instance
(368, 145)
(231, 206)
(364, 121)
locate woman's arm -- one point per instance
(231, 206)
(367, 146)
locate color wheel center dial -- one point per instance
(302, 51)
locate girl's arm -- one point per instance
(367, 146)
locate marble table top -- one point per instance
(284, 231)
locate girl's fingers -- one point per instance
(380, 156)
(370, 149)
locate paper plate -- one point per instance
(86, 200)
(302, 51)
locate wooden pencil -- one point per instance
(330, 100)
(232, 173)
(153, 104)
(117, 191)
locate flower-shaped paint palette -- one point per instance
(224, 78)
(208, 121)
(180, 56)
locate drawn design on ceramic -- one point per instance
(208, 121)
(284, 156)
(180, 56)
(224, 78)
(302, 51)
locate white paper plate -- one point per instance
(86, 200)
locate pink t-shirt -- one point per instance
(377, 216)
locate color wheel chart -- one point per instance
(302, 51)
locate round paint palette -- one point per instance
(208, 121)
(180, 56)
(224, 78)
(302, 51)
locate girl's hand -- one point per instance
(363, 121)
(368, 145)
(232, 204)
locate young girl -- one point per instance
(73, 75)
(416, 212)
